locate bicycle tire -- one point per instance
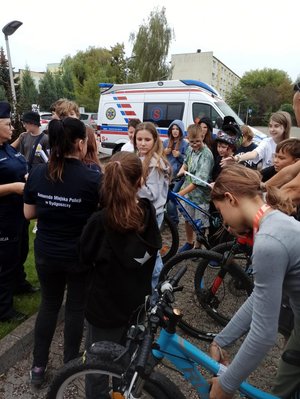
(195, 321)
(70, 380)
(170, 238)
(236, 287)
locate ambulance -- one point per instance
(159, 102)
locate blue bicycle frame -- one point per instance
(187, 357)
(176, 198)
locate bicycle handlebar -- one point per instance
(157, 312)
(173, 281)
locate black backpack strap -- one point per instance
(33, 150)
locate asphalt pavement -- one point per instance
(16, 361)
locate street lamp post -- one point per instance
(8, 30)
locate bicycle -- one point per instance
(131, 369)
(169, 230)
(215, 219)
(208, 295)
(217, 284)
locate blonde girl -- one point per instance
(156, 175)
(279, 130)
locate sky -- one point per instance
(244, 35)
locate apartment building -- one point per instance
(204, 66)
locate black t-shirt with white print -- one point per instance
(62, 207)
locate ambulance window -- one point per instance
(200, 110)
(162, 114)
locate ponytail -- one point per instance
(122, 179)
(62, 138)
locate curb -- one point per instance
(17, 344)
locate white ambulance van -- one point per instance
(159, 102)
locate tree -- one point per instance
(119, 63)
(4, 76)
(263, 91)
(67, 81)
(59, 85)
(88, 68)
(2, 93)
(5, 94)
(48, 93)
(28, 92)
(151, 47)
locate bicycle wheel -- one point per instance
(222, 288)
(170, 238)
(71, 380)
(195, 321)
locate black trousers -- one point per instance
(20, 278)
(8, 267)
(10, 257)
(55, 277)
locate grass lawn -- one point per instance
(27, 304)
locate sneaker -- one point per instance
(37, 375)
(214, 264)
(186, 247)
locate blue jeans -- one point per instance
(158, 263)
(171, 206)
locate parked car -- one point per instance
(89, 118)
(45, 119)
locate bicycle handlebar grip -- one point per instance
(144, 354)
(175, 279)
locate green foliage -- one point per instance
(263, 91)
(87, 69)
(28, 93)
(4, 76)
(48, 92)
(67, 82)
(2, 93)
(151, 47)
(119, 64)
(59, 85)
(289, 108)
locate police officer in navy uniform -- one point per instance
(13, 168)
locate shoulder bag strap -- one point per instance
(33, 150)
